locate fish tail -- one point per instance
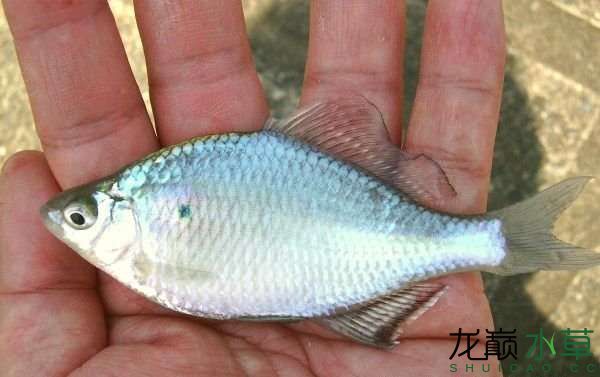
(528, 226)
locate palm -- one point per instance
(162, 343)
(159, 345)
(59, 315)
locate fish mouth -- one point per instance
(52, 220)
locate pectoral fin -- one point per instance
(352, 129)
(380, 321)
(145, 267)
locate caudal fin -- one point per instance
(528, 227)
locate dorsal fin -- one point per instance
(352, 129)
(380, 321)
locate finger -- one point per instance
(50, 314)
(454, 122)
(88, 110)
(201, 74)
(202, 80)
(456, 108)
(357, 46)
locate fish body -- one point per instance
(285, 223)
(262, 225)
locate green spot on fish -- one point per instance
(184, 211)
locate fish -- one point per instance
(318, 216)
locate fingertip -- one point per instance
(22, 162)
(26, 174)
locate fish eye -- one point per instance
(77, 218)
(79, 215)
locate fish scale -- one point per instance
(331, 235)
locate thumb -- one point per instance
(51, 318)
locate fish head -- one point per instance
(98, 225)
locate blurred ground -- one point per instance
(550, 130)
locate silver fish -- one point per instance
(315, 216)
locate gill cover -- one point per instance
(99, 226)
(117, 229)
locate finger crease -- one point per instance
(202, 68)
(92, 129)
(439, 81)
(363, 79)
(50, 24)
(41, 290)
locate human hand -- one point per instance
(58, 315)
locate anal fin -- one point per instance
(380, 321)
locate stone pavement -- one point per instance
(550, 129)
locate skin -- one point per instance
(61, 316)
